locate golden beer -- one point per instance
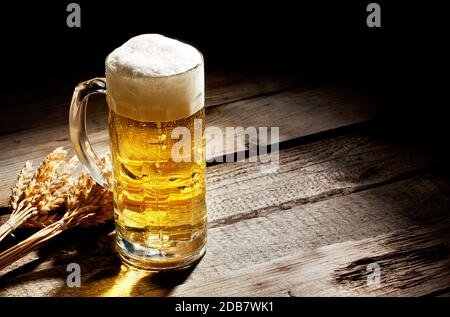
(154, 87)
(159, 203)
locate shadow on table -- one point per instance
(102, 273)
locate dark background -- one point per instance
(316, 38)
(402, 64)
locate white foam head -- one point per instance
(155, 78)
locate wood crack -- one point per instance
(263, 212)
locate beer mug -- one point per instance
(154, 88)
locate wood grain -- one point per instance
(233, 247)
(296, 112)
(221, 87)
(335, 205)
(307, 173)
(413, 262)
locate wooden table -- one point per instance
(345, 197)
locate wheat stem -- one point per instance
(30, 244)
(39, 192)
(86, 202)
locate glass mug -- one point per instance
(154, 88)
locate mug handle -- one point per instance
(77, 126)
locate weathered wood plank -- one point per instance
(296, 112)
(221, 87)
(307, 173)
(412, 262)
(225, 86)
(236, 246)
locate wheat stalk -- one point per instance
(87, 203)
(37, 193)
(51, 210)
(23, 179)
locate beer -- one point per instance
(159, 203)
(154, 87)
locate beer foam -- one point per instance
(155, 78)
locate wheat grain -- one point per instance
(87, 204)
(36, 194)
(23, 179)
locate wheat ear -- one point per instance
(38, 193)
(87, 203)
